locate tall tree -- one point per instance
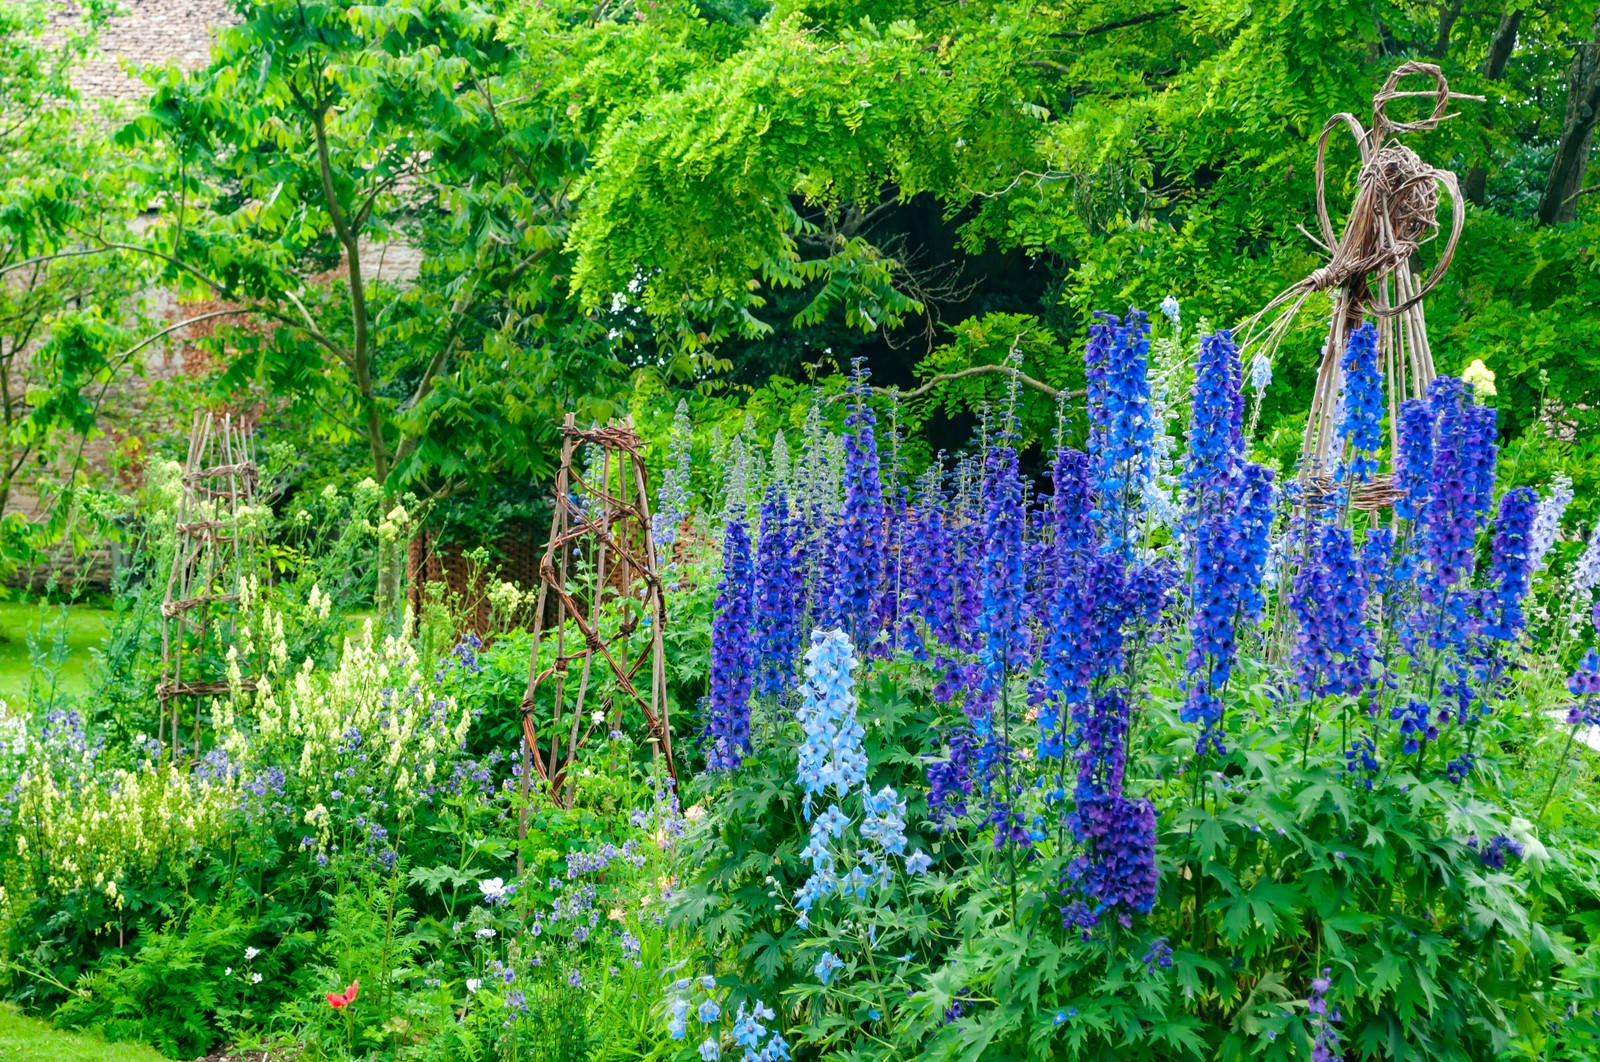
(66, 321)
(1559, 202)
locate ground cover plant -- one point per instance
(1162, 755)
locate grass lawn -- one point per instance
(82, 628)
(29, 1040)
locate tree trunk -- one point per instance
(1567, 169)
(1493, 69)
(1448, 13)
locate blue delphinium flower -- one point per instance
(1323, 1021)
(860, 546)
(950, 779)
(1229, 556)
(1456, 770)
(1215, 426)
(1120, 876)
(1158, 956)
(885, 823)
(1362, 758)
(677, 1026)
(1169, 308)
(1003, 621)
(710, 1050)
(828, 967)
(727, 729)
(1414, 463)
(1416, 725)
(830, 755)
(1120, 425)
(1511, 570)
(1493, 854)
(778, 595)
(1361, 420)
(1260, 372)
(748, 1032)
(1584, 684)
(1462, 480)
(708, 1012)
(1333, 645)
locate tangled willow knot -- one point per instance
(1369, 270)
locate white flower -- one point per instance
(255, 979)
(251, 953)
(597, 718)
(1480, 377)
(472, 984)
(493, 889)
(227, 971)
(484, 934)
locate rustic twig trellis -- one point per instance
(598, 583)
(1369, 270)
(212, 553)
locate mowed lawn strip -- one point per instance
(24, 1039)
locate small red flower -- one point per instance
(340, 1000)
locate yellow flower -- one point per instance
(1481, 378)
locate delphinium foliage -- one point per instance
(1214, 783)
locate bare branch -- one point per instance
(976, 370)
(1121, 23)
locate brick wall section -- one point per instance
(153, 32)
(148, 31)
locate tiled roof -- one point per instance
(146, 31)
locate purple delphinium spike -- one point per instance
(1414, 463)
(1120, 427)
(1215, 434)
(1511, 570)
(1323, 1021)
(1333, 646)
(1230, 554)
(733, 655)
(778, 595)
(859, 546)
(1462, 479)
(1003, 620)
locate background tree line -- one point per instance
(655, 196)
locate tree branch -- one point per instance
(976, 370)
(1121, 23)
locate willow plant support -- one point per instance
(1370, 272)
(598, 584)
(214, 549)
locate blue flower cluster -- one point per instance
(830, 756)
(1116, 365)
(1333, 645)
(1003, 621)
(1230, 555)
(1361, 419)
(1511, 571)
(1461, 481)
(779, 594)
(859, 548)
(1323, 1022)
(733, 655)
(1584, 684)
(831, 760)
(1216, 428)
